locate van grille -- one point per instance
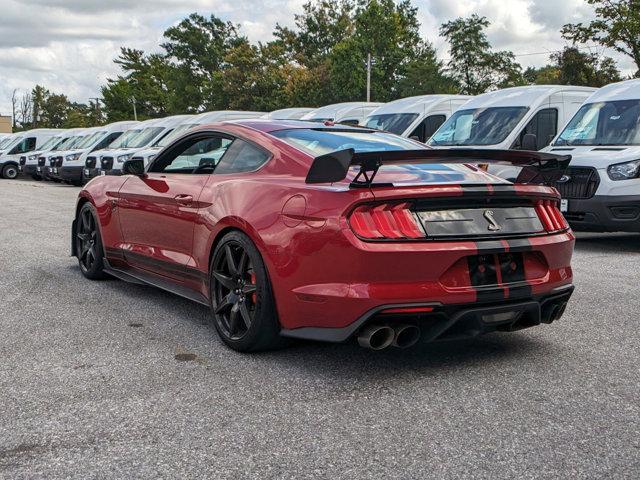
(106, 163)
(90, 162)
(52, 161)
(582, 182)
(23, 160)
(42, 161)
(58, 162)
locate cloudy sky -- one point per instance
(69, 45)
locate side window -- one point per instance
(544, 125)
(428, 127)
(107, 140)
(26, 145)
(350, 121)
(194, 153)
(242, 157)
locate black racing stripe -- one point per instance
(485, 295)
(520, 245)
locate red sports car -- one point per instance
(329, 232)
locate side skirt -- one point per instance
(140, 277)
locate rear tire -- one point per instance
(88, 244)
(242, 303)
(10, 172)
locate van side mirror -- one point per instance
(133, 167)
(415, 137)
(530, 142)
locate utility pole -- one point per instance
(135, 113)
(97, 100)
(368, 77)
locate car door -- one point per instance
(158, 210)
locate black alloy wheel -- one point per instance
(89, 244)
(241, 296)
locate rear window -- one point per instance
(318, 142)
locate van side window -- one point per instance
(544, 125)
(242, 157)
(26, 145)
(107, 140)
(428, 127)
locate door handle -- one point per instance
(183, 199)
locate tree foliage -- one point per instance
(573, 67)
(616, 26)
(473, 64)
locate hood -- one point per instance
(597, 156)
(148, 152)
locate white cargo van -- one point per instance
(133, 140)
(48, 169)
(601, 187)
(415, 117)
(29, 161)
(147, 154)
(287, 113)
(69, 164)
(22, 143)
(351, 113)
(522, 118)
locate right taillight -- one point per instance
(551, 216)
(385, 222)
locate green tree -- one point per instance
(616, 26)
(573, 67)
(473, 64)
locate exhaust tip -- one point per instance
(376, 337)
(406, 336)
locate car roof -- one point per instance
(627, 90)
(526, 96)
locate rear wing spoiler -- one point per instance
(537, 167)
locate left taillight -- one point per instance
(385, 222)
(551, 216)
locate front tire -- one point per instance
(10, 172)
(242, 301)
(88, 244)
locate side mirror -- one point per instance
(530, 142)
(415, 137)
(133, 167)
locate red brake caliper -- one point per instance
(253, 280)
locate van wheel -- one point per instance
(10, 172)
(242, 301)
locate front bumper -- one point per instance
(89, 173)
(31, 170)
(605, 213)
(71, 173)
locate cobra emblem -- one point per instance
(493, 225)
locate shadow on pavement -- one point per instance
(608, 242)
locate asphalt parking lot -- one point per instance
(106, 379)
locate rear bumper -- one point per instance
(605, 213)
(452, 322)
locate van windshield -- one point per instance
(392, 122)
(480, 126)
(604, 123)
(124, 140)
(12, 143)
(89, 140)
(49, 143)
(145, 137)
(6, 142)
(167, 139)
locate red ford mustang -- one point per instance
(328, 232)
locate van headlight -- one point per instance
(624, 171)
(31, 158)
(72, 157)
(123, 158)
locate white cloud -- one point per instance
(69, 45)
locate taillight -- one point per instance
(551, 216)
(386, 221)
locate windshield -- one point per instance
(69, 143)
(50, 143)
(5, 142)
(145, 137)
(321, 141)
(12, 143)
(89, 140)
(480, 126)
(604, 123)
(392, 122)
(124, 140)
(167, 139)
